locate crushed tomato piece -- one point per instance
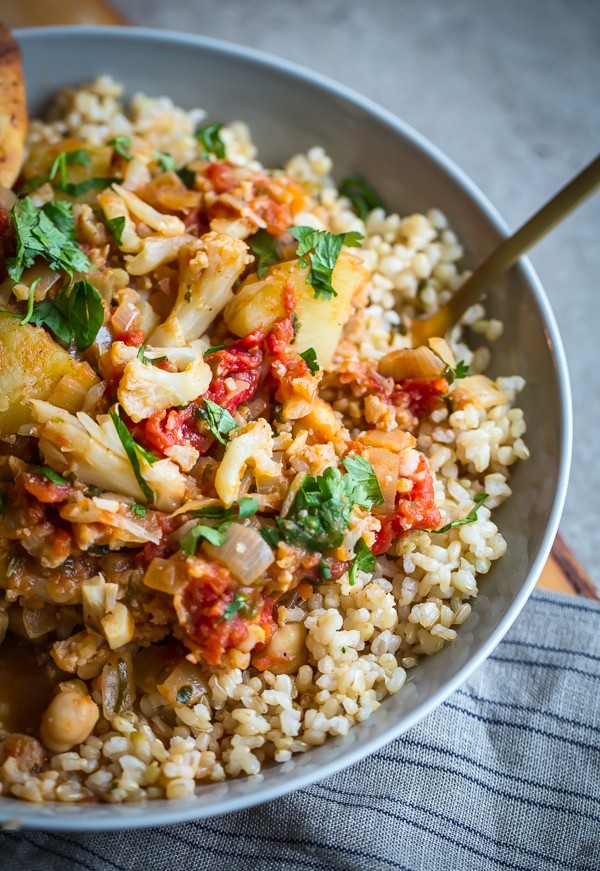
(422, 395)
(414, 510)
(44, 490)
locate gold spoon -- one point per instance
(507, 254)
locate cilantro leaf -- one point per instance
(365, 489)
(264, 248)
(149, 361)
(322, 250)
(30, 301)
(49, 473)
(238, 604)
(242, 508)
(139, 509)
(271, 535)
(471, 517)
(208, 137)
(219, 420)
(187, 176)
(121, 145)
(184, 694)
(116, 227)
(79, 156)
(76, 190)
(310, 358)
(363, 561)
(77, 313)
(47, 232)
(320, 513)
(165, 160)
(213, 350)
(134, 453)
(189, 542)
(362, 196)
(461, 371)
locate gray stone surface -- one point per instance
(510, 91)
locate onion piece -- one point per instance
(165, 575)
(151, 665)
(477, 390)
(184, 685)
(117, 684)
(396, 440)
(37, 622)
(386, 465)
(411, 363)
(443, 351)
(125, 316)
(245, 553)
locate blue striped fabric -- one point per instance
(505, 775)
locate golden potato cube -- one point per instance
(33, 366)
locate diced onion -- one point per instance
(184, 685)
(151, 664)
(39, 621)
(125, 317)
(245, 553)
(443, 350)
(164, 575)
(411, 363)
(386, 465)
(117, 685)
(477, 390)
(7, 198)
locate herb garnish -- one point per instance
(218, 419)
(363, 560)
(189, 542)
(362, 196)
(271, 535)
(47, 232)
(165, 160)
(121, 145)
(49, 473)
(461, 371)
(320, 513)
(242, 508)
(310, 358)
(134, 453)
(139, 509)
(471, 517)
(77, 190)
(187, 176)
(213, 350)
(149, 361)
(264, 248)
(238, 603)
(208, 136)
(76, 313)
(116, 227)
(80, 156)
(323, 249)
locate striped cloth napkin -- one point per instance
(504, 775)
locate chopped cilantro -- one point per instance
(363, 561)
(310, 358)
(116, 227)
(49, 473)
(187, 176)
(149, 361)
(219, 420)
(320, 513)
(94, 491)
(238, 603)
(213, 350)
(77, 313)
(324, 571)
(242, 508)
(134, 453)
(165, 160)
(461, 371)
(121, 145)
(471, 517)
(184, 694)
(30, 301)
(271, 535)
(139, 509)
(47, 232)
(189, 541)
(208, 137)
(80, 156)
(366, 490)
(362, 196)
(295, 324)
(77, 190)
(264, 248)
(320, 249)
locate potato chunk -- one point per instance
(261, 303)
(33, 366)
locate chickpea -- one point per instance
(68, 720)
(285, 652)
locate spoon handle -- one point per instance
(508, 252)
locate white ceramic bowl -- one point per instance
(290, 109)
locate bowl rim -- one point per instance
(33, 816)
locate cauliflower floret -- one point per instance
(166, 225)
(92, 450)
(203, 290)
(145, 389)
(109, 522)
(158, 250)
(253, 448)
(113, 207)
